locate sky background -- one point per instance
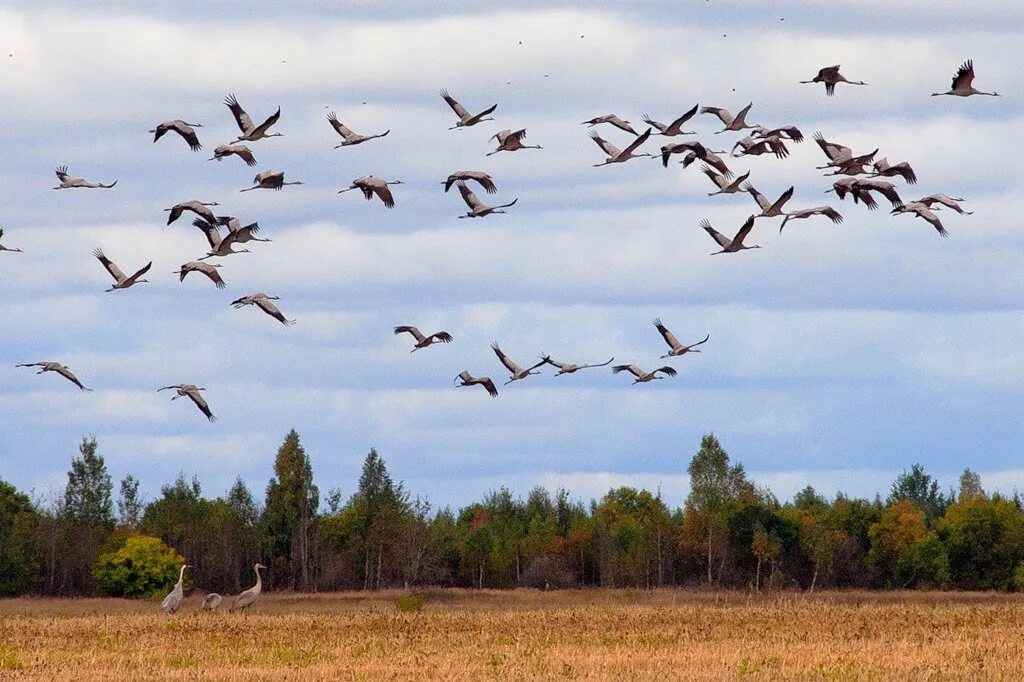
(839, 355)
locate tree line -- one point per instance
(729, 533)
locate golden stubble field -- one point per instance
(583, 634)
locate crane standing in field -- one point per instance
(59, 369)
(191, 391)
(248, 598)
(676, 348)
(421, 340)
(172, 602)
(186, 130)
(465, 118)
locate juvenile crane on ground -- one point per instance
(211, 602)
(350, 138)
(675, 127)
(67, 181)
(120, 281)
(517, 372)
(239, 150)
(250, 132)
(465, 118)
(200, 208)
(732, 123)
(249, 597)
(477, 208)
(57, 368)
(263, 302)
(613, 120)
(6, 248)
(615, 155)
(731, 245)
(210, 270)
(509, 141)
(569, 368)
(192, 392)
(830, 76)
(270, 180)
(468, 379)
(421, 340)
(371, 186)
(676, 348)
(642, 377)
(485, 180)
(963, 83)
(186, 130)
(172, 602)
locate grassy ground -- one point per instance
(459, 634)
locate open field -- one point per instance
(463, 634)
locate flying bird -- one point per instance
(889, 170)
(641, 375)
(421, 340)
(186, 130)
(248, 598)
(830, 76)
(485, 180)
(370, 185)
(509, 141)
(803, 213)
(725, 186)
(845, 186)
(204, 268)
(120, 281)
(192, 392)
(731, 245)
(197, 207)
(263, 302)
(944, 200)
(783, 132)
(59, 369)
(172, 602)
(6, 248)
(251, 132)
(69, 182)
(675, 127)
(465, 118)
(239, 234)
(963, 83)
(612, 119)
(732, 123)
(886, 189)
(270, 180)
(517, 372)
(569, 368)
(841, 155)
(695, 151)
(676, 348)
(239, 150)
(769, 209)
(477, 209)
(223, 246)
(759, 147)
(922, 211)
(350, 138)
(470, 380)
(615, 155)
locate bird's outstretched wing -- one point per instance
(406, 329)
(111, 267)
(459, 110)
(241, 118)
(509, 365)
(669, 337)
(722, 240)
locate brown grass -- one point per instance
(600, 634)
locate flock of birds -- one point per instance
(173, 601)
(861, 178)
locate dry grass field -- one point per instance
(606, 634)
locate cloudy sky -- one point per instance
(838, 355)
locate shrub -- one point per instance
(142, 567)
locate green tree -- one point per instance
(922, 490)
(900, 526)
(129, 505)
(290, 512)
(87, 495)
(970, 485)
(19, 559)
(715, 486)
(142, 566)
(984, 540)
